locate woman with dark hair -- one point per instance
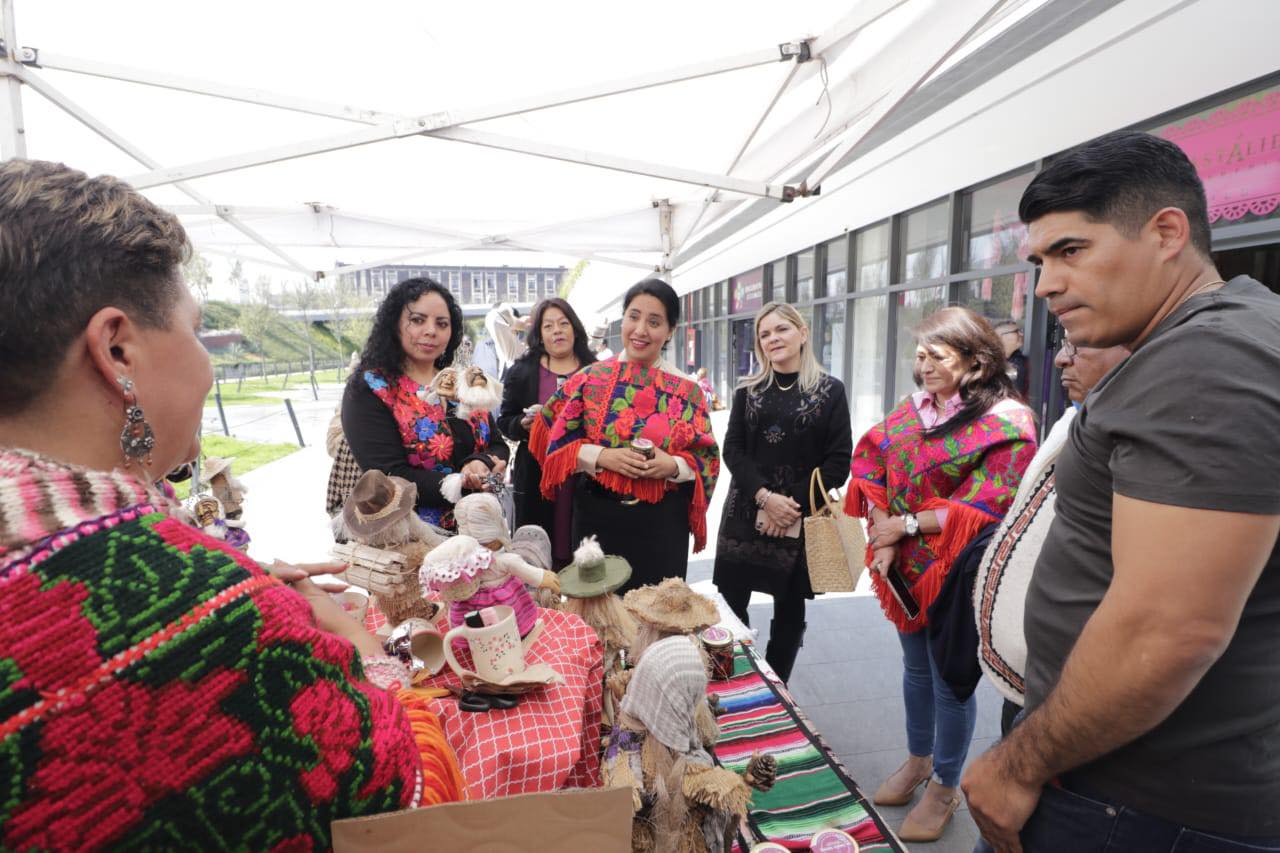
(939, 469)
(557, 349)
(156, 682)
(400, 415)
(637, 434)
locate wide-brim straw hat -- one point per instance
(213, 466)
(592, 572)
(377, 502)
(672, 606)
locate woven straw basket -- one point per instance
(834, 543)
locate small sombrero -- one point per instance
(213, 466)
(592, 573)
(377, 502)
(672, 606)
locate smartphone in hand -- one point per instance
(902, 591)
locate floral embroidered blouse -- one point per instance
(391, 427)
(610, 403)
(972, 473)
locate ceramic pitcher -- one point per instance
(496, 650)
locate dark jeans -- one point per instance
(1070, 821)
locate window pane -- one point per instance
(994, 236)
(871, 251)
(779, 293)
(870, 340)
(831, 351)
(744, 353)
(804, 277)
(722, 381)
(997, 298)
(924, 243)
(746, 291)
(913, 306)
(837, 266)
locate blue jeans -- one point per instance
(1067, 820)
(938, 724)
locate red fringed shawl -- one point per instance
(612, 402)
(973, 473)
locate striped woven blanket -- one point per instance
(813, 791)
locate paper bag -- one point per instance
(594, 821)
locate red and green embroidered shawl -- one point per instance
(973, 473)
(612, 402)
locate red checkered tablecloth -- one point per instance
(552, 739)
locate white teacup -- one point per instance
(496, 650)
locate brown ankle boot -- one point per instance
(898, 788)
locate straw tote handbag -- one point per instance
(834, 544)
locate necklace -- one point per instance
(782, 387)
(1203, 287)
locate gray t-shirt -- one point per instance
(1192, 419)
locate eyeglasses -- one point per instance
(1068, 350)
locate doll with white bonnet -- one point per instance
(532, 542)
(472, 581)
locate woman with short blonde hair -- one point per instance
(787, 418)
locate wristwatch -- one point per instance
(911, 524)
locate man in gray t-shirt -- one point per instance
(1153, 616)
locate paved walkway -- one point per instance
(848, 677)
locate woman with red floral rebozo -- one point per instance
(598, 427)
(940, 468)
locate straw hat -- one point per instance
(377, 502)
(671, 606)
(592, 573)
(213, 466)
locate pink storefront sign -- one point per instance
(1236, 150)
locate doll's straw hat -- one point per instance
(377, 502)
(672, 606)
(592, 573)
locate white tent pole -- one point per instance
(664, 233)
(945, 29)
(13, 131)
(619, 164)
(445, 118)
(831, 44)
(56, 97)
(407, 256)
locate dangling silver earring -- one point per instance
(136, 439)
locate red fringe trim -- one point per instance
(442, 780)
(539, 438)
(697, 507)
(862, 495)
(558, 467)
(963, 524)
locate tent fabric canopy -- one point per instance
(769, 122)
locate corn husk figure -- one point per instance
(588, 584)
(380, 513)
(216, 476)
(682, 801)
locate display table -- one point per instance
(813, 790)
(551, 740)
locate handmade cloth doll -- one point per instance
(215, 475)
(683, 802)
(379, 513)
(479, 392)
(588, 583)
(443, 388)
(471, 576)
(479, 515)
(533, 544)
(212, 520)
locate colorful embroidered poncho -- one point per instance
(159, 690)
(972, 473)
(424, 429)
(612, 402)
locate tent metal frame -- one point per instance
(20, 66)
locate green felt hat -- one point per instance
(592, 573)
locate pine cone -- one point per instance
(761, 772)
(713, 699)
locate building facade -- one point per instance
(469, 285)
(863, 289)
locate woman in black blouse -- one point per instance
(394, 421)
(787, 419)
(557, 349)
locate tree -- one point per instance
(566, 285)
(196, 273)
(236, 279)
(304, 297)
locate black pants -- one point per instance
(787, 630)
(654, 538)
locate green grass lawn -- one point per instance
(248, 454)
(251, 391)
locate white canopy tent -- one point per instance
(640, 157)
